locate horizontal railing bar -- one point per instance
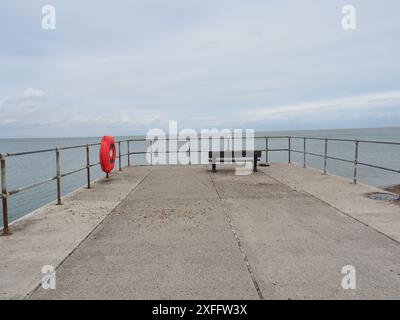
(340, 159)
(94, 164)
(18, 190)
(122, 155)
(348, 140)
(80, 146)
(72, 172)
(377, 167)
(315, 154)
(270, 137)
(323, 156)
(323, 139)
(279, 150)
(15, 154)
(380, 142)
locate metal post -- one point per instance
(289, 150)
(151, 152)
(129, 154)
(119, 156)
(232, 146)
(255, 158)
(88, 166)
(326, 155)
(355, 162)
(266, 150)
(133, 153)
(304, 152)
(58, 176)
(6, 230)
(167, 150)
(222, 149)
(190, 157)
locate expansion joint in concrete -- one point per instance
(239, 244)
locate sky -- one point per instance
(125, 67)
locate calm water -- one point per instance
(25, 170)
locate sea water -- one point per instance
(29, 169)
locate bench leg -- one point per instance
(255, 163)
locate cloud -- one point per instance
(127, 67)
(21, 109)
(376, 103)
(31, 93)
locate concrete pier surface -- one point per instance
(181, 232)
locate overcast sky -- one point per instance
(123, 67)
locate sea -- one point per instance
(29, 169)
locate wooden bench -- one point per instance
(215, 157)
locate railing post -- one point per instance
(190, 157)
(304, 152)
(88, 166)
(232, 146)
(129, 153)
(151, 152)
(4, 196)
(119, 156)
(58, 176)
(133, 153)
(167, 150)
(266, 150)
(355, 162)
(326, 155)
(289, 150)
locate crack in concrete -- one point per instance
(241, 249)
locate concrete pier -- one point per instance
(181, 232)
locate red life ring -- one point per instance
(108, 154)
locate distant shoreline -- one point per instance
(256, 131)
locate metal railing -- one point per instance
(355, 161)
(5, 194)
